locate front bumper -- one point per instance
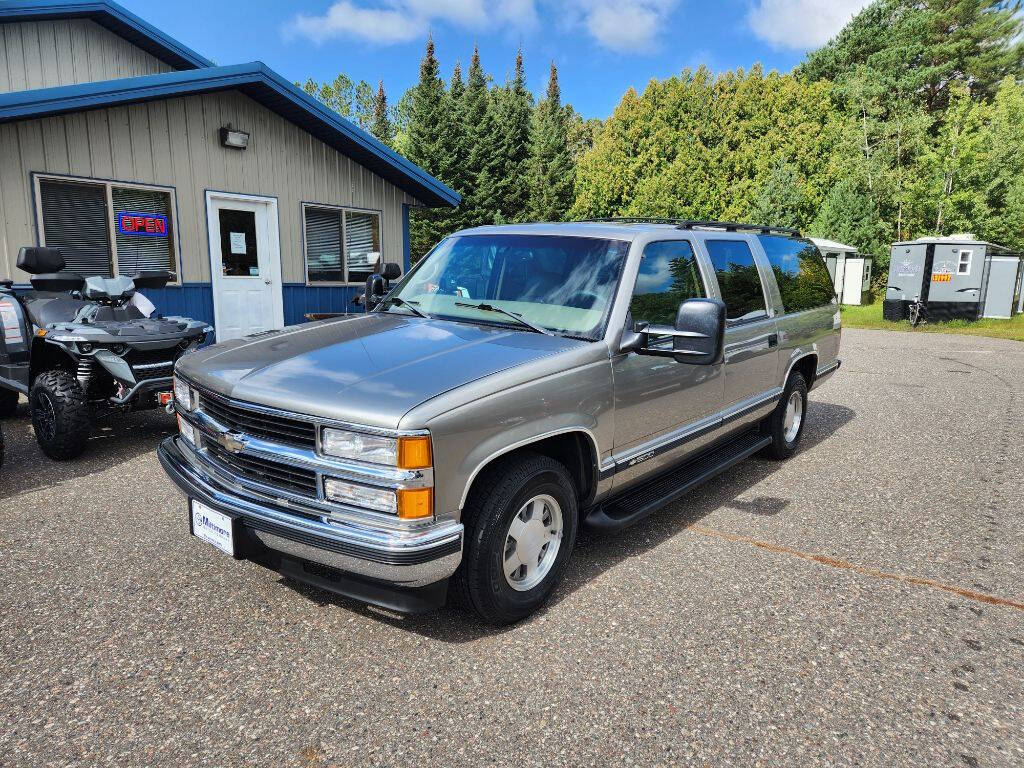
(404, 570)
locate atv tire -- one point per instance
(8, 402)
(60, 415)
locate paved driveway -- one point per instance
(861, 604)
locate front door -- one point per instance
(245, 263)
(660, 403)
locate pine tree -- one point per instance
(551, 163)
(780, 201)
(381, 125)
(513, 106)
(362, 105)
(482, 163)
(425, 146)
(454, 149)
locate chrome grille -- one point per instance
(264, 471)
(277, 429)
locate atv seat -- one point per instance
(45, 309)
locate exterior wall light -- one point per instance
(233, 139)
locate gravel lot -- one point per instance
(861, 604)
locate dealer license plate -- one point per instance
(213, 527)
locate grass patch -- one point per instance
(870, 316)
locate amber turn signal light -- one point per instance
(414, 452)
(415, 503)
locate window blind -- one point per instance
(75, 220)
(136, 252)
(323, 246)
(362, 238)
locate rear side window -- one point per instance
(668, 276)
(800, 271)
(738, 279)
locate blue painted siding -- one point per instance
(300, 299)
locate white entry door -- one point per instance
(245, 264)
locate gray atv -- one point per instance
(81, 349)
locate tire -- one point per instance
(8, 402)
(60, 415)
(782, 447)
(526, 487)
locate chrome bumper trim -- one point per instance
(412, 558)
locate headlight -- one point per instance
(379, 499)
(187, 430)
(402, 452)
(184, 394)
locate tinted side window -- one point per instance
(667, 277)
(800, 271)
(738, 279)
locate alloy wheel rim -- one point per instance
(45, 417)
(532, 542)
(794, 417)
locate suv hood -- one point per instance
(369, 369)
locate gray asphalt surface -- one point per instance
(793, 614)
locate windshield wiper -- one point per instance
(399, 302)
(513, 315)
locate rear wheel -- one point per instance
(60, 414)
(8, 402)
(521, 521)
(786, 424)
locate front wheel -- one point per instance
(60, 415)
(521, 521)
(786, 424)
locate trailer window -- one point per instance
(668, 276)
(738, 280)
(964, 268)
(802, 274)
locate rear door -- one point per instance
(751, 337)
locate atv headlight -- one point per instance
(403, 452)
(184, 395)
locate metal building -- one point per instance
(958, 276)
(129, 150)
(850, 271)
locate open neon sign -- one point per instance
(143, 224)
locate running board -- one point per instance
(637, 503)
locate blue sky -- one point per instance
(601, 47)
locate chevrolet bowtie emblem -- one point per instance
(231, 441)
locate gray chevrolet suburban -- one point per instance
(518, 383)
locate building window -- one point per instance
(964, 268)
(342, 246)
(107, 228)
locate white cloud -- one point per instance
(800, 24)
(620, 25)
(387, 22)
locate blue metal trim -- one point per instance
(406, 239)
(117, 19)
(258, 82)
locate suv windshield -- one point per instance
(562, 284)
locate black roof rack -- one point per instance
(728, 226)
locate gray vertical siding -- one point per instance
(45, 54)
(174, 142)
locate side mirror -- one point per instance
(391, 271)
(375, 289)
(699, 336)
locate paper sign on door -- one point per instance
(238, 242)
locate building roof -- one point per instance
(261, 84)
(832, 245)
(118, 20)
(959, 238)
